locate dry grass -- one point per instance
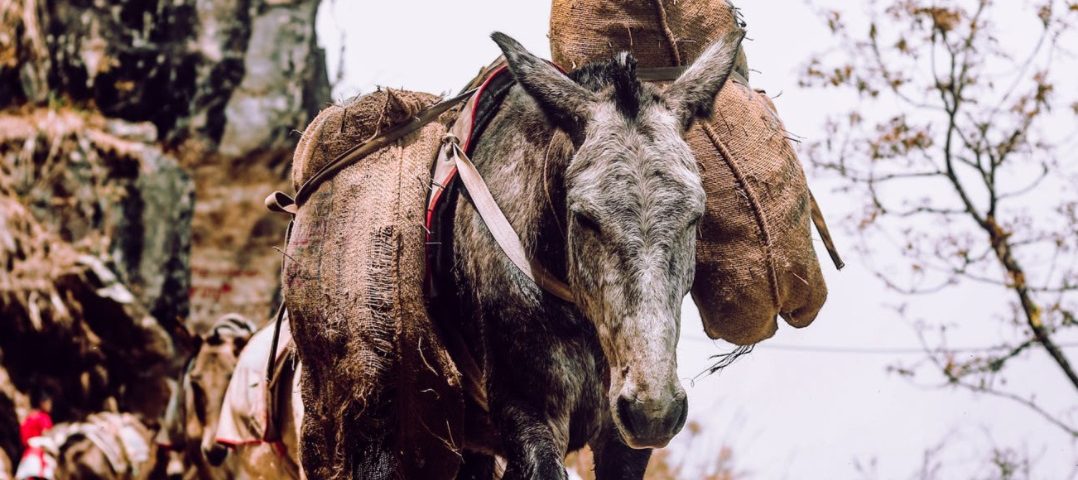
(68, 320)
(665, 465)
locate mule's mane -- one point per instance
(618, 72)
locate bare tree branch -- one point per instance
(967, 161)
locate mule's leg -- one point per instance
(533, 453)
(616, 461)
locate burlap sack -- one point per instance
(582, 31)
(755, 258)
(381, 396)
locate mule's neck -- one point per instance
(522, 158)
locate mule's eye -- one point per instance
(695, 222)
(586, 221)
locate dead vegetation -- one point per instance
(72, 321)
(666, 465)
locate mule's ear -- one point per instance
(563, 99)
(693, 94)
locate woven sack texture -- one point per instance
(382, 398)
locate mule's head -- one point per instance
(634, 197)
(80, 458)
(207, 381)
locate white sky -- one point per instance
(786, 414)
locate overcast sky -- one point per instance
(785, 413)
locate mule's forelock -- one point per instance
(627, 90)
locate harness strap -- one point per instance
(825, 234)
(498, 225)
(280, 202)
(669, 74)
(354, 154)
(278, 319)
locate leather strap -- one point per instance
(660, 74)
(825, 234)
(278, 319)
(498, 225)
(669, 74)
(280, 202)
(354, 154)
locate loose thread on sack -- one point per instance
(286, 255)
(425, 185)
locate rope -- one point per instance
(754, 204)
(669, 34)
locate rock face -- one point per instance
(284, 85)
(138, 138)
(105, 184)
(235, 267)
(154, 254)
(129, 58)
(89, 216)
(174, 63)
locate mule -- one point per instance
(592, 170)
(106, 446)
(244, 414)
(190, 426)
(274, 460)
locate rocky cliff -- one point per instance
(137, 140)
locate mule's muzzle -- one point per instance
(651, 423)
(215, 454)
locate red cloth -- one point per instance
(35, 425)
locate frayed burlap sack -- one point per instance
(755, 258)
(381, 396)
(659, 33)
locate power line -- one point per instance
(871, 350)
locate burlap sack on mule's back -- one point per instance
(583, 31)
(755, 258)
(380, 392)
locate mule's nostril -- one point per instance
(651, 424)
(682, 409)
(625, 414)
